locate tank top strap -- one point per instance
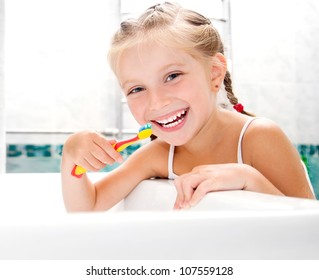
(171, 174)
(240, 155)
(241, 136)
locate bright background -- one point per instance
(54, 77)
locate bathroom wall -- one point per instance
(276, 62)
(2, 107)
(57, 77)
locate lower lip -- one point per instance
(172, 129)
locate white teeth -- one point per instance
(172, 121)
(170, 125)
(172, 118)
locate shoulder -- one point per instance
(263, 129)
(264, 137)
(267, 148)
(152, 158)
(155, 147)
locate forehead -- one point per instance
(149, 57)
(151, 52)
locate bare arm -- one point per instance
(193, 186)
(80, 194)
(271, 153)
(91, 151)
(272, 166)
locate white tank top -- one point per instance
(172, 175)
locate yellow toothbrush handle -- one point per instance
(143, 133)
(124, 146)
(78, 171)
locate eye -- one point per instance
(135, 90)
(172, 76)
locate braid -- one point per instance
(229, 90)
(172, 26)
(228, 84)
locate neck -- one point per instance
(210, 135)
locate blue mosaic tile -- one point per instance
(46, 158)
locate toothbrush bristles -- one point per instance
(145, 131)
(146, 126)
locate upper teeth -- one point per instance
(172, 118)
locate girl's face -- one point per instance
(168, 88)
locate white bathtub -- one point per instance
(225, 225)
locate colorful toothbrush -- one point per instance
(144, 132)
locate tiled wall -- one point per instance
(32, 158)
(310, 156)
(2, 105)
(55, 82)
(276, 63)
(57, 77)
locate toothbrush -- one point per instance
(144, 132)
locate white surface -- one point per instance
(225, 225)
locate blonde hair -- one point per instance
(173, 26)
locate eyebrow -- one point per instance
(170, 65)
(127, 82)
(162, 69)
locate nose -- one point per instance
(157, 100)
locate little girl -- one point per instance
(170, 64)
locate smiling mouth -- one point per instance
(173, 120)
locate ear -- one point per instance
(218, 71)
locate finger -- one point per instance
(185, 185)
(189, 185)
(84, 163)
(109, 151)
(102, 156)
(94, 163)
(200, 192)
(180, 195)
(177, 204)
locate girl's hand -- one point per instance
(193, 186)
(90, 150)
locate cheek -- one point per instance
(137, 109)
